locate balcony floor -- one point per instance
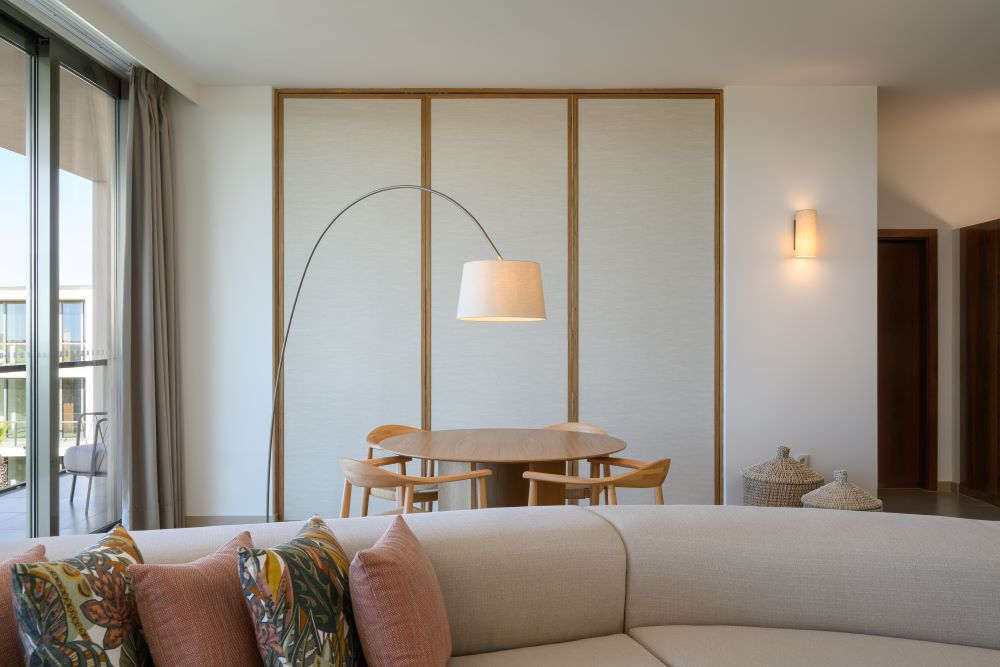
(72, 520)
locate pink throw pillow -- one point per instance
(194, 613)
(398, 606)
(8, 623)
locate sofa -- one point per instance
(681, 585)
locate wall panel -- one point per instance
(353, 358)
(647, 289)
(506, 161)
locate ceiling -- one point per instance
(572, 43)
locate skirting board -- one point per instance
(947, 487)
(200, 521)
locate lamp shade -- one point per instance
(805, 233)
(501, 291)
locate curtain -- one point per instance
(153, 492)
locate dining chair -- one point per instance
(424, 495)
(370, 474)
(641, 475)
(575, 494)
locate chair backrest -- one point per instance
(579, 427)
(359, 473)
(650, 475)
(380, 433)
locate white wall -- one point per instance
(939, 165)
(800, 333)
(222, 171)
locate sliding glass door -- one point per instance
(14, 238)
(59, 173)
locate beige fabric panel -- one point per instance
(731, 646)
(898, 575)
(647, 295)
(353, 358)
(506, 161)
(510, 577)
(607, 651)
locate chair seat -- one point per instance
(423, 493)
(574, 492)
(77, 459)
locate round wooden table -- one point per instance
(508, 452)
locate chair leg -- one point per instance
(366, 495)
(473, 499)
(595, 495)
(345, 506)
(86, 507)
(658, 493)
(482, 493)
(532, 492)
(608, 489)
(614, 494)
(72, 489)
(408, 503)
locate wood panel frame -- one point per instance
(426, 95)
(929, 239)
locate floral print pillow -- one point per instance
(300, 601)
(81, 610)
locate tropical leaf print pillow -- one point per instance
(300, 601)
(81, 610)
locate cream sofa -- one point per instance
(683, 585)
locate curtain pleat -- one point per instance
(151, 449)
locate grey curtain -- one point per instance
(153, 493)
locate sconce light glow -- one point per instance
(804, 242)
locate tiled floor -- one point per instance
(919, 501)
(72, 520)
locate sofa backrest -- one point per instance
(510, 577)
(918, 577)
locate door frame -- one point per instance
(929, 239)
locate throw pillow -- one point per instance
(398, 604)
(8, 633)
(81, 610)
(300, 601)
(194, 614)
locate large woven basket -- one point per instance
(842, 495)
(779, 482)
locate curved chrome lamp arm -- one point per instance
(298, 291)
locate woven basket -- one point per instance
(842, 495)
(780, 482)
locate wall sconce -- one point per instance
(804, 232)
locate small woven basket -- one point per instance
(842, 495)
(779, 482)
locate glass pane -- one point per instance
(87, 170)
(13, 290)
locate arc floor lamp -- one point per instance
(499, 290)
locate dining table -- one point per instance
(508, 453)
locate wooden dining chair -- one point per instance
(641, 475)
(426, 496)
(370, 474)
(575, 494)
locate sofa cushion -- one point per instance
(300, 602)
(8, 627)
(897, 575)
(195, 614)
(397, 601)
(733, 646)
(595, 652)
(81, 610)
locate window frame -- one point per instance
(47, 53)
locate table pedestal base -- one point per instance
(506, 487)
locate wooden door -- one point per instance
(907, 358)
(980, 289)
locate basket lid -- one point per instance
(783, 469)
(842, 495)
